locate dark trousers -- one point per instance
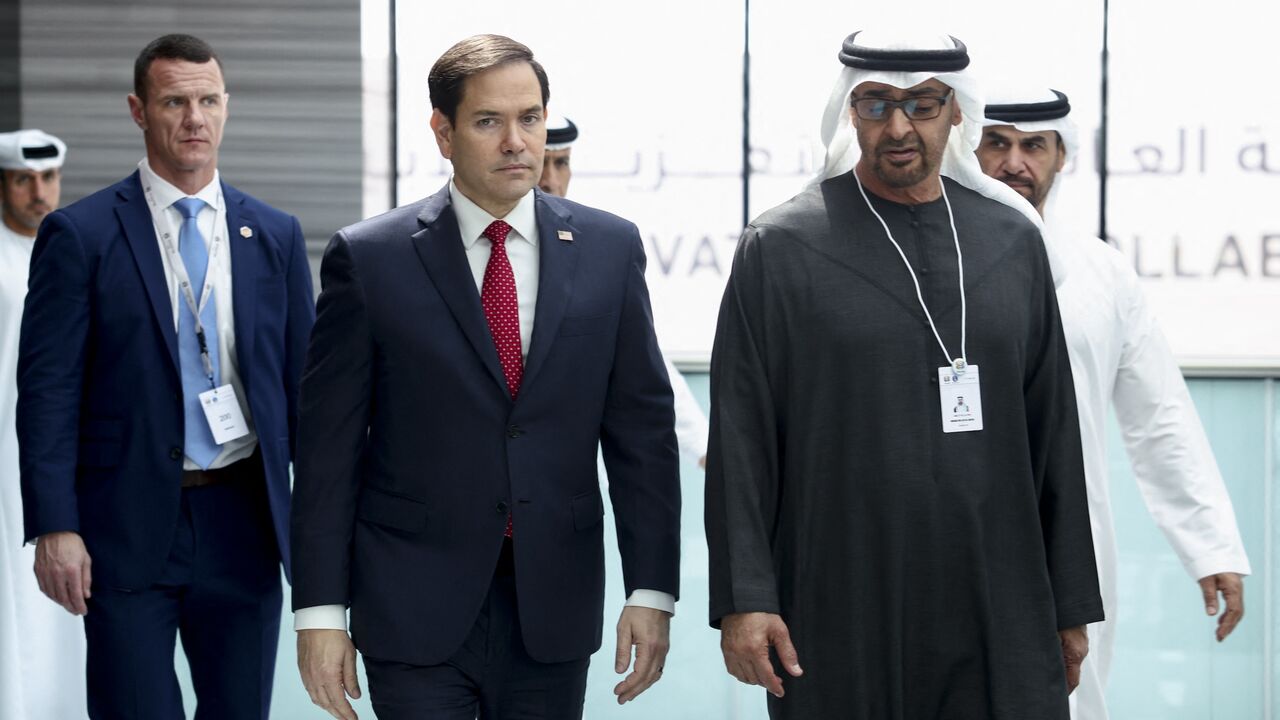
(491, 676)
(220, 588)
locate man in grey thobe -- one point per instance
(918, 561)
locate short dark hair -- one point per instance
(175, 46)
(473, 56)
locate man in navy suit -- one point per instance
(162, 344)
(470, 352)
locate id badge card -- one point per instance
(222, 410)
(961, 399)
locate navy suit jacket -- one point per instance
(411, 450)
(100, 422)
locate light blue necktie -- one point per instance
(198, 442)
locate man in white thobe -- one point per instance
(41, 645)
(1119, 357)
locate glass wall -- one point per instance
(1167, 665)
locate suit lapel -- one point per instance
(245, 253)
(558, 262)
(139, 231)
(439, 246)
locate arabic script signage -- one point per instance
(1194, 192)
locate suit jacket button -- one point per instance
(502, 508)
(175, 453)
(514, 431)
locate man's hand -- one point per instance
(649, 630)
(1231, 585)
(62, 570)
(1075, 646)
(327, 662)
(745, 639)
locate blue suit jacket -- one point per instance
(411, 450)
(100, 423)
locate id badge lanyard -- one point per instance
(179, 269)
(959, 390)
(959, 363)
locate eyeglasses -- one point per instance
(916, 108)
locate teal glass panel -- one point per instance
(1167, 665)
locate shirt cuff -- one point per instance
(320, 617)
(655, 599)
(334, 617)
(1202, 568)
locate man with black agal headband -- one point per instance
(1120, 360)
(919, 563)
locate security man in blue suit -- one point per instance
(161, 349)
(470, 352)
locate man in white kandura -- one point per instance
(37, 638)
(1119, 356)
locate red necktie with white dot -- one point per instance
(502, 310)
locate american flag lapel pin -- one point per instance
(565, 235)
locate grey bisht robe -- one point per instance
(922, 575)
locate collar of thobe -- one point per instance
(958, 362)
(17, 238)
(473, 219)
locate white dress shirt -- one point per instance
(522, 251)
(167, 219)
(1120, 358)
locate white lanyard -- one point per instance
(164, 228)
(961, 362)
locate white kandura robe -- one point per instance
(1119, 357)
(691, 422)
(42, 646)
